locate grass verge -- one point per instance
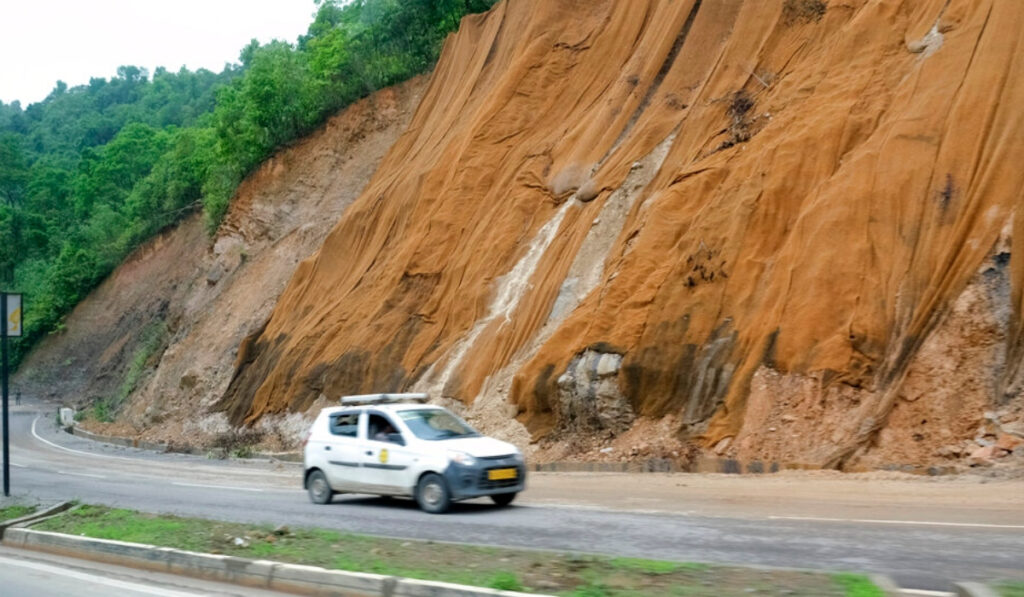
(1010, 589)
(565, 574)
(17, 511)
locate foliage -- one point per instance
(1010, 589)
(505, 581)
(92, 171)
(16, 511)
(857, 585)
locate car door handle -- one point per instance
(369, 452)
(328, 448)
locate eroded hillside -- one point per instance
(775, 230)
(170, 319)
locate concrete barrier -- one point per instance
(35, 516)
(127, 442)
(702, 464)
(974, 589)
(293, 578)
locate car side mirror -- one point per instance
(396, 438)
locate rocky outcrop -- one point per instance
(589, 396)
(806, 193)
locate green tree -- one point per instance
(93, 170)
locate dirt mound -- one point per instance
(801, 195)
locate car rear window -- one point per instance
(346, 424)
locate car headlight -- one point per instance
(518, 457)
(461, 458)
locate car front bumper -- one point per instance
(486, 477)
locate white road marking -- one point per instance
(527, 503)
(18, 465)
(925, 593)
(906, 522)
(218, 487)
(49, 443)
(82, 474)
(96, 579)
(231, 470)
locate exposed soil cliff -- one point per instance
(785, 227)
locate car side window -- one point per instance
(380, 429)
(345, 424)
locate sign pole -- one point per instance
(7, 448)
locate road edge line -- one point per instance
(294, 578)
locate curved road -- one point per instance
(924, 542)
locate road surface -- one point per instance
(925, 533)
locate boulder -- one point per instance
(985, 455)
(1008, 442)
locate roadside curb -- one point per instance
(711, 464)
(117, 441)
(166, 448)
(291, 578)
(35, 516)
(886, 584)
(702, 464)
(974, 589)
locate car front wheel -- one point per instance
(319, 490)
(432, 494)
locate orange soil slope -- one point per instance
(702, 210)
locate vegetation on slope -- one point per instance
(92, 171)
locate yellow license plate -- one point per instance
(502, 474)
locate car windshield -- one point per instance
(433, 424)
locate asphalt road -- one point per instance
(50, 465)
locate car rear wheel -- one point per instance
(320, 491)
(432, 494)
(503, 499)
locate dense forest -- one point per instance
(92, 171)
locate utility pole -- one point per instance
(10, 325)
(3, 341)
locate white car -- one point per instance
(393, 444)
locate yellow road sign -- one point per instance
(13, 314)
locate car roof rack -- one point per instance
(382, 399)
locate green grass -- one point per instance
(857, 585)
(505, 581)
(655, 566)
(12, 512)
(1010, 589)
(564, 574)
